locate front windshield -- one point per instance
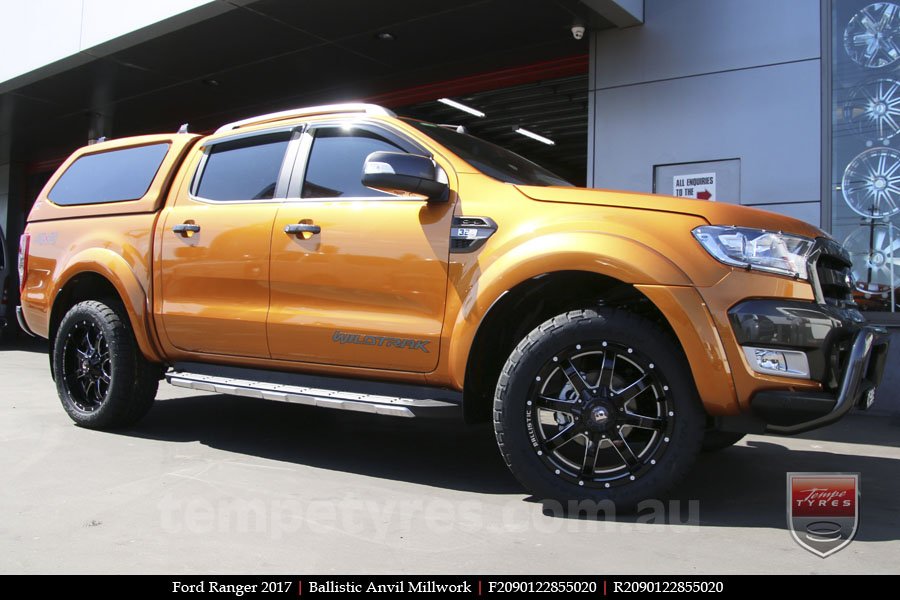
(490, 159)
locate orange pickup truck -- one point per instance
(343, 257)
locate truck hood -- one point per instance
(715, 213)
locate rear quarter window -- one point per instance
(112, 176)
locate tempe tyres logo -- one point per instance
(823, 510)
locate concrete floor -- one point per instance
(211, 484)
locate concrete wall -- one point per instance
(34, 34)
(706, 80)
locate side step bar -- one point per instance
(379, 398)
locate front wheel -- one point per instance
(598, 405)
(102, 378)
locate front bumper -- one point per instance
(843, 353)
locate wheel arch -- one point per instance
(98, 275)
(527, 305)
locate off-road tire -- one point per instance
(643, 349)
(122, 384)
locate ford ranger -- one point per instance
(343, 257)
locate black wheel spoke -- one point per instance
(590, 455)
(564, 436)
(576, 379)
(643, 421)
(625, 452)
(635, 389)
(563, 406)
(607, 370)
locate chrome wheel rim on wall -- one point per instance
(874, 109)
(875, 251)
(872, 37)
(871, 183)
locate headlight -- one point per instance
(757, 249)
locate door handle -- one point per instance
(295, 228)
(186, 229)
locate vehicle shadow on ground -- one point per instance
(23, 343)
(742, 486)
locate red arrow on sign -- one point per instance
(704, 195)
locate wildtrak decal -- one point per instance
(342, 337)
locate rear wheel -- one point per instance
(102, 378)
(599, 406)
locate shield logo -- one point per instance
(823, 510)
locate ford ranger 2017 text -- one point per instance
(342, 257)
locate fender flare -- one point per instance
(591, 252)
(115, 269)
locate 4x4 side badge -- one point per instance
(470, 233)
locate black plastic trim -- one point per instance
(20, 317)
(468, 234)
(790, 413)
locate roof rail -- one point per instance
(369, 109)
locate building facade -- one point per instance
(792, 106)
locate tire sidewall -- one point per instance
(553, 337)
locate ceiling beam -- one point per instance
(621, 13)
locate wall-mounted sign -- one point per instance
(713, 180)
(695, 185)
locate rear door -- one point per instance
(214, 271)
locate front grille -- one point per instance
(829, 268)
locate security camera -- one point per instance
(577, 32)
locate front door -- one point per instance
(358, 276)
(215, 247)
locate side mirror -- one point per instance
(411, 173)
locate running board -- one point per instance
(325, 392)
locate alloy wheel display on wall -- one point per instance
(874, 107)
(866, 164)
(871, 183)
(875, 252)
(872, 37)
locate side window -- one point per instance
(335, 165)
(111, 176)
(244, 169)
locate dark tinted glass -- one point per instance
(113, 176)
(245, 169)
(490, 159)
(336, 163)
